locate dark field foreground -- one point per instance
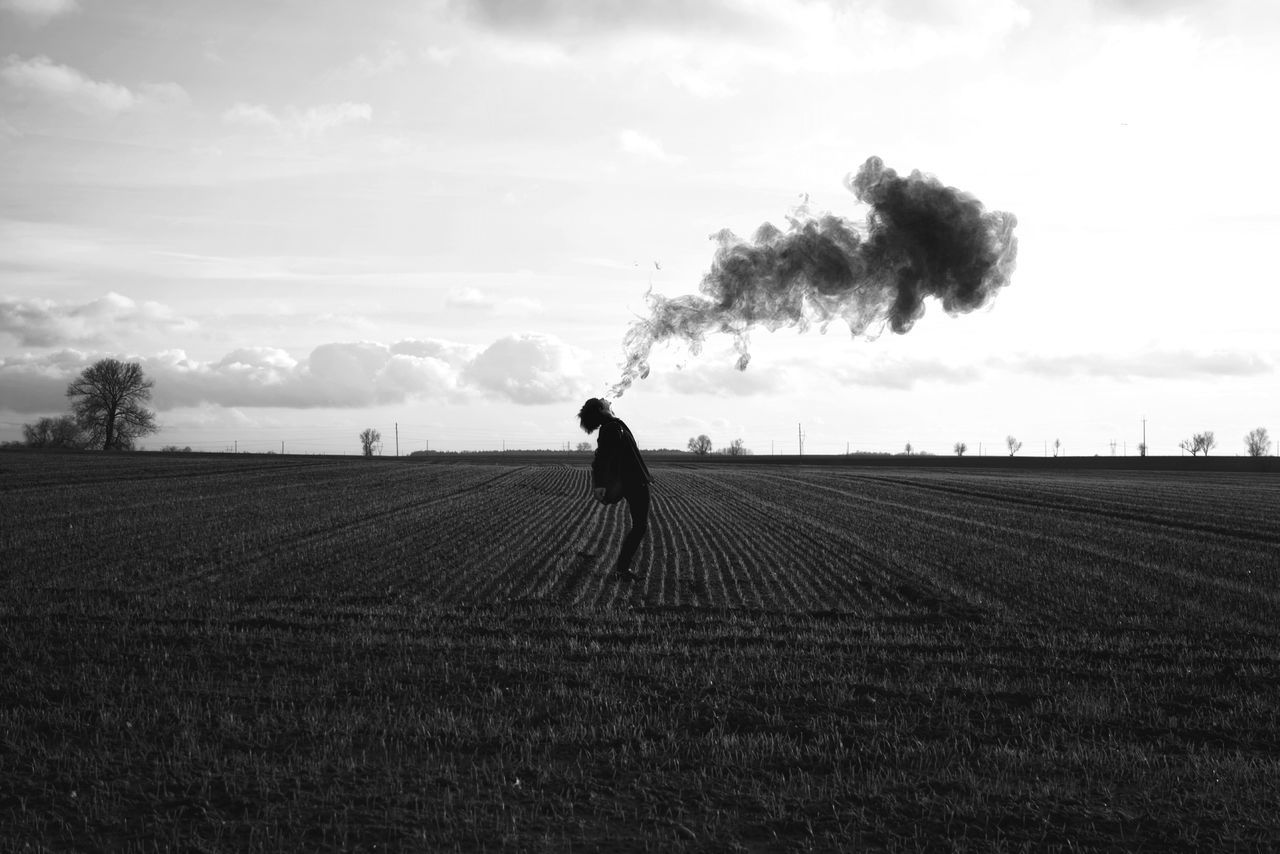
(248, 653)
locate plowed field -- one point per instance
(255, 653)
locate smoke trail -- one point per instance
(920, 239)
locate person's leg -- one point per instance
(638, 503)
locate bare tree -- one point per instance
(583, 447)
(106, 400)
(1014, 445)
(1199, 442)
(737, 449)
(1257, 442)
(60, 432)
(960, 448)
(700, 445)
(1207, 442)
(1057, 446)
(907, 450)
(370, 441)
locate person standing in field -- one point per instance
(618, 471)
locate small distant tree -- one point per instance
(737, 448)
(60, 432)
(583, 447)
(107, 402)
(1199, 443)
(1057, 446)
(700, 445)
(370, 441)
(960, 448)
(1257, 442)
(1014, 445)
(907, 450)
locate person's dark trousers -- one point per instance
(638, 503)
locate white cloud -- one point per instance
(47, 323)
(529, 368)
(467, 297)
(640, 145)
(326, 117)
(251, 115)
(389, 57)
(46, 79)
(704, 47)
(699, 80)
(258, 359)
(338, 375)
(439, 55)
(431, 348)
(903, 374)
(312, 121)
(40, 11)
(473, 299)
(723, 381)
(570, 19)
(1153, 364)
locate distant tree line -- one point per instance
(702, 445)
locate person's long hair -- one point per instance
(591, 415)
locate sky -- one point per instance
(440, 218)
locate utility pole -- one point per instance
(800, 437)
(282, 447)
(1144, 435)
(397, 438)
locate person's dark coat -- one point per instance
(617, 454)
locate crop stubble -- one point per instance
(242, 653)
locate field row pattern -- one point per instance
(1113, 549)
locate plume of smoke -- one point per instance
(920, 239)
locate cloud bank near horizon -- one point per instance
(527, 369)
